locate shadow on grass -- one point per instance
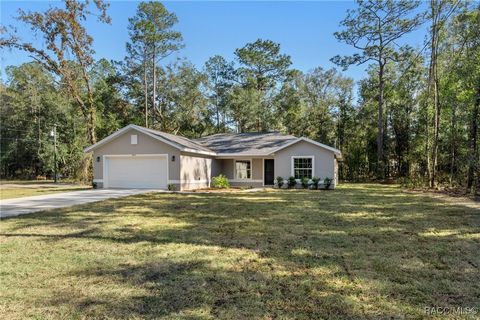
(361, 251)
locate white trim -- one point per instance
(235, 171)
(292, 169)
(336, 151)
(98, 180)
(105, 162)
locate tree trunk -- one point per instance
(380, 166)
(145, 85)
(473, 146)
(154, 98)
(453, 143)
(433, 88)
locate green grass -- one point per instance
(19, 192)
(361, 251)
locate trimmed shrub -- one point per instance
(280, 182)
(220, 182)
(315, 181)
(171, 187)
(327, 182)
(304, 182)
(292, 182)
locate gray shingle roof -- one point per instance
(182, 141)
(245, 143)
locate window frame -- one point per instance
(302, 157)
(235, 169)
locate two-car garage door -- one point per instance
(136, 171)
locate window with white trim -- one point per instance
(303, 168)
(243, 169)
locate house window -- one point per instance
(243, 169)
(133, 139)
(303, 167)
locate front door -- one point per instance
(268, 172)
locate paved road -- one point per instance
(18, 206)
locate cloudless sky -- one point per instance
(304, 30)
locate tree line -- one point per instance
(414, 117)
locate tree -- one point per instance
(64, 36)
(465, 26)
(262, 66)
(373, 28)
(220, 75)
(152, 36)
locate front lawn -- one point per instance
(20, 189)
(361, 251)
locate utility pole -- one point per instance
(54, 134)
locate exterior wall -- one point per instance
(227, 168)
(195, 171)
(145, 145)
(324, 160)
(191, 171)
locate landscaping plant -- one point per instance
(327, 182)
(292, 182)
(220, 182)
(315, 181)
(304, 182)
(280, 182)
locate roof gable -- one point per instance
(318, 144)
(180, 143)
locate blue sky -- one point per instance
(304, 30)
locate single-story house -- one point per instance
(138, 157)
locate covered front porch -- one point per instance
(246, 171)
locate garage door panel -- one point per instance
(137, 172)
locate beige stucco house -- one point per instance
(137, 157)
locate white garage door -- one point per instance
(136, 172)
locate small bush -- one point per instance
(327, 182)
(280, 182)
(292, 182)
(171, 187)
(94, 185)
(220, 182)
(315, 181)
(304, 182)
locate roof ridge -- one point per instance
(166, 134)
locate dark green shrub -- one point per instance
(327, 182)
(280, 182)
(220, 182)
(94, 185)
(304, 182)
(292, 182)
(171, 187)
(315, 181)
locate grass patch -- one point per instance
(361, 251)
(37, 190)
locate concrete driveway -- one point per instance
(19, 206)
